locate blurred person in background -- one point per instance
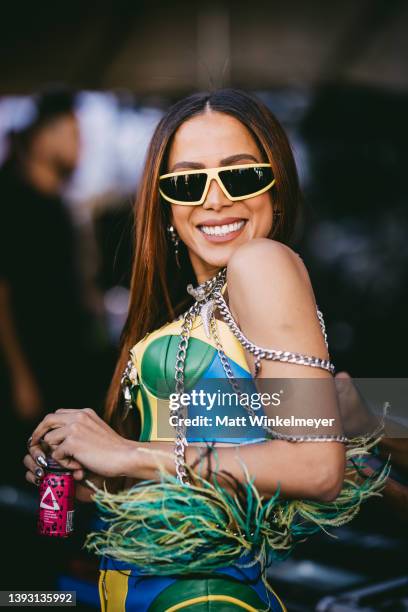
(41, 315)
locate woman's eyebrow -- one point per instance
(187, 164)
(235, 158)
(224, 162)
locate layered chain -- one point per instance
(274, 434)
(180, 440)
(271, 354)
(202, 294)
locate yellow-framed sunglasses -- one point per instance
(238, 182)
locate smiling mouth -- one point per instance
(222, 230)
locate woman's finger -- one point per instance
(65, 460)
(30, 464)
(78, 474)
(33, 468)
(40, 459)
(30, 477)
(51, 421)
(38, 455)
(55, 436)
(84, 411)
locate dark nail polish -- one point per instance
(41, 461)
(29, 441)
(38, 481)
(39, 473)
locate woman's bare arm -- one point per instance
(296, 468)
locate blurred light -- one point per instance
(114, 144)
(16, 113)
(116, 301)
(8, 495)
(350, 536)
(314, 575)
(114, 139)
(17, 499)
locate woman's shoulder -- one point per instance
(262, 245)
(271, 297)
(263, 260)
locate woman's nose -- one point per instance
(216, 198)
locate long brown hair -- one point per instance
(157, 292)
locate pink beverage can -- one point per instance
(57, 493)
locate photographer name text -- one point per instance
(252, 420)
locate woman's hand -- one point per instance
(357, 420)
(79, 439)
(35, 462)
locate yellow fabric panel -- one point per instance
(153, 408)
(113, 589)
(101, 589)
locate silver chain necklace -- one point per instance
(203, 305)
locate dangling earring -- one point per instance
(176, 241)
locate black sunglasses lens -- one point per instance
(184, 187)
(245, 181)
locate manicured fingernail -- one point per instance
(29, 441)
(37, 481)
(39, 473)
(41, 461)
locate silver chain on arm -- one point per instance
(274, 434)
(271, 354)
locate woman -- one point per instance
(218, 200)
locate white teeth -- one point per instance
(221, 230)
